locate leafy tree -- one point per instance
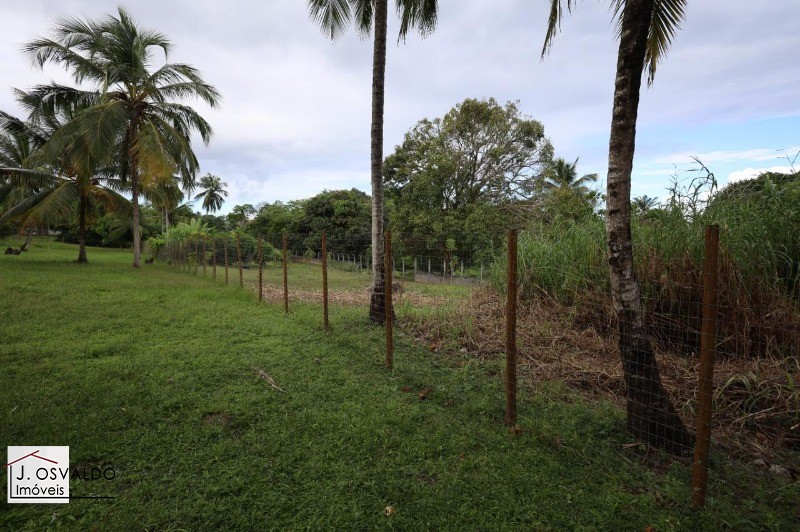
(240, 215)
(645, 29)
(333, 17)
(456, 176)
(215, 223)
(213, 193)
(135, 118)
(345, 216)
(274, 219)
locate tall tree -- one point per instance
(135, 116)
(213, 192)
(645, 30)
(333, 17)
(462, 175)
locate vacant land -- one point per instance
(166, 376)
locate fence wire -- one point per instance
(702, 355)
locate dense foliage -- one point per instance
(458, 177)
(565, 259)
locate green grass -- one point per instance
(150, 370)
(308, 277)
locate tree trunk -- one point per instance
(28, 238)
(651, 416)
(82, 230)
(137, 242)
(134, 170)
(376, 310)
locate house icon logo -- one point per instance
(38, 475)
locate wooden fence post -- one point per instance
(387, 305)
(204, 255)
(511, 331)
(708, 344)
(285, 274)
(239, 257)
(214, 258)
(324, 283)
(225, 243)
(260, 270)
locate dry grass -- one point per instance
(349, 298)
(756, 403)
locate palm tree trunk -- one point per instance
(82, 230)
(137, 237)
(28, 238)
(376, 310)
(651, 416)
(134, 170)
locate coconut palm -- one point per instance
(17, 145)
(643, 204)
(333, 17)
(645, 29)
(213, 192)
(54, 177)
(561, 174)
(166, 197)
(136, 118)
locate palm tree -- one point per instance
(166, 197)
(134, 118)
(54, 176)
(643, 204)
(560, 174)
(17, 144)
(645, 30)
(333, 17)
(213, 192)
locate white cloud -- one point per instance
(758, 154)
(296, 108)
(749, 173)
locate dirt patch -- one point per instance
(217, 418)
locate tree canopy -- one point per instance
(452, 176)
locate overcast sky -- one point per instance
(295, 116)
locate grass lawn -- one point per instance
(152, 371)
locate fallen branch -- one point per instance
(261, 373)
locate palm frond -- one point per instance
(666, 21)
(332, 16)
(421, 15)
(554, 22)
(52, 204)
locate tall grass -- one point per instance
(759, 299)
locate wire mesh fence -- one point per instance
(702, 354)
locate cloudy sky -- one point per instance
(295, 117)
